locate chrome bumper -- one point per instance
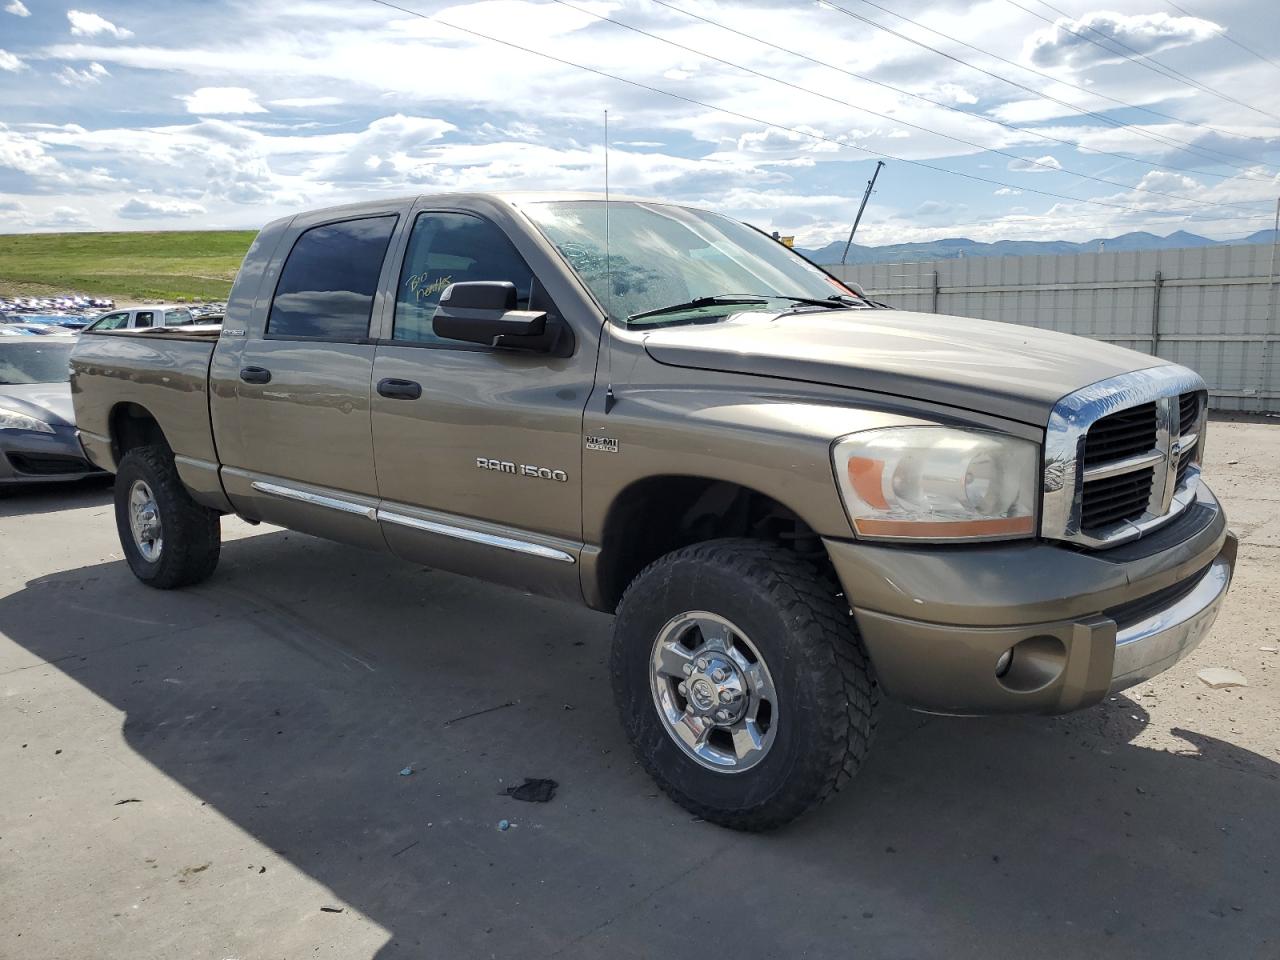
(1157, 642)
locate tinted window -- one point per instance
(41, 361)
(326, 288)
(447, 248)
(143, 319)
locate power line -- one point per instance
(945, 106)
(1226, 36)
(1159, 138)
(1145, 61)
(1054, 166)
(781, 126)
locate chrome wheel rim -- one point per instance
(713, 692)
(144, 521)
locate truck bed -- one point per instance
(159, 374)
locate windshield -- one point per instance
(34, 361)
(662, 255)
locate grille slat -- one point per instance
(1125, 433)
(1116, 498)
(1188, 412)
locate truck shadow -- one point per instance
(29, 499)
(290, 690)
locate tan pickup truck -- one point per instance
(791, 498)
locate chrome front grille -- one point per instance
(1122, 456)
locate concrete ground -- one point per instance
(215, 773)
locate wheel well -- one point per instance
(654, 516)
(132, 425)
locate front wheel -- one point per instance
(169, 540)
(742, 683)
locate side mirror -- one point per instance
(485, 312)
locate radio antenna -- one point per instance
(608, 279)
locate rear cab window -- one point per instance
(329, 280)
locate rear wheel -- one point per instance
(742, 682)
(169, 540)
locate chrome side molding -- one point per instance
(476, 536)
(467, 534)
(315, 499)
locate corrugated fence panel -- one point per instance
(1217, 310)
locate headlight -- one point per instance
(937, 483)
(12, 420)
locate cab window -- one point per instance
(143, 318)
(327, 286)
(446, 248)
(112, 321)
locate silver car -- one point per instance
(141, 317)
(38, 441)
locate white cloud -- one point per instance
(1096, 37)
(66, 217)
(71, 77)
(220, 100)
(91, 25)
(10, 62)
(148, 209)
(18, 9)
(1045, 164)
(954, 94)
(302, 102)
(24, 154)
(1008, 192)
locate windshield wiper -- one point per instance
(697, 302)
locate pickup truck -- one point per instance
(791, 499)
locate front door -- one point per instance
(479, 456)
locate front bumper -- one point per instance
(30, 457)
(937, 620)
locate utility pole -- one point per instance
(858, 219)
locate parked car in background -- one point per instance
(38, 442)
(149, 316)
(44, 329)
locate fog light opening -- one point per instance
(1031, 664)
(1002, 665)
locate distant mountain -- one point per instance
(957, 247)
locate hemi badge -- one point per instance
(604, 444)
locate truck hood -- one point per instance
(1003, 369)
(50, 402)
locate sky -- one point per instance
(213, 115)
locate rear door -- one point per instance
(303, 453)
(479, 457)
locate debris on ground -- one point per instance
(533, 790)
(407, 772)
(504, 824)
(130, 800)
(480, 713)
(1222, 678)
(331, 909)
(1263, 649)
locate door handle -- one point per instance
(255, 374)
(399, 389)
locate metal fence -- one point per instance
(1210, 308)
